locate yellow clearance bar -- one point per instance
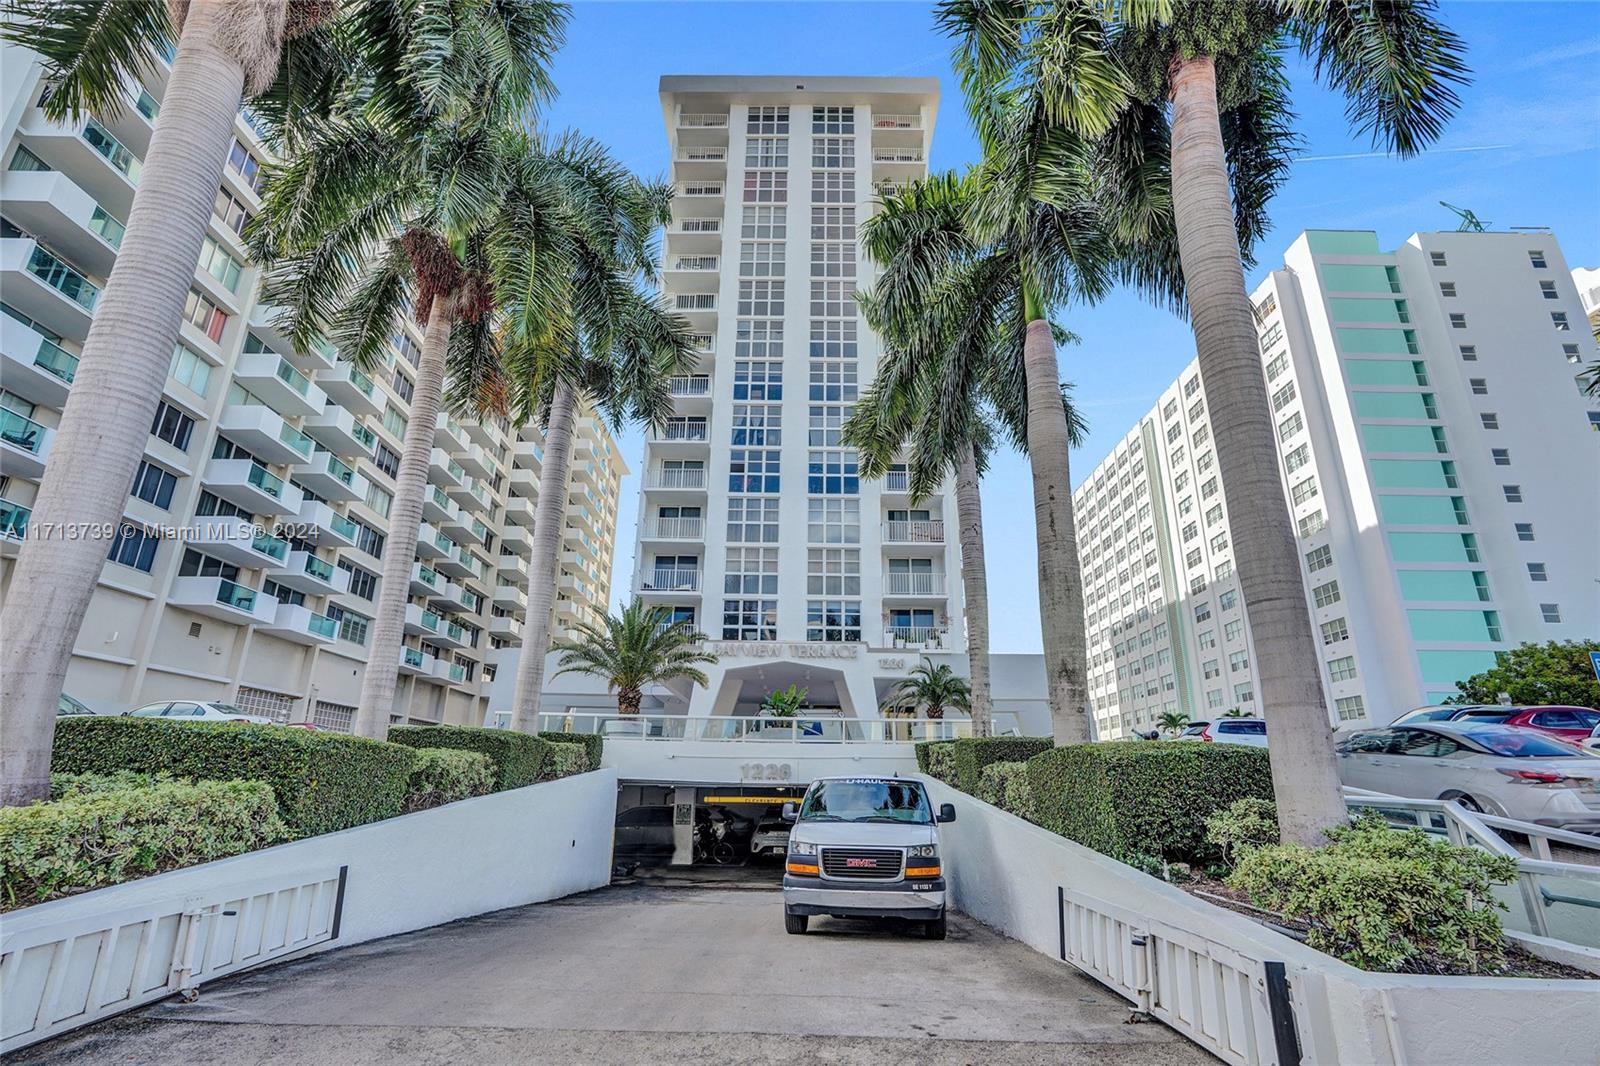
(768, 800)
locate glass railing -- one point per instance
(440, 498)
(345, 527)
(411, 657)
(365, 435)
(292, 377)
(478, 494)
(61, 277)
(320, 569)
(456, 470)
(266, 481)
(338, 469)
(324, 348)
(14, 519)
(20, 432)
(147, 105)
(444, 543)
(458, 673)
(466, 557)
(54, 359)
(481, 530)
(456, 631)
(100, 139)
(320, 625)
(232, 594)
(362, 383)
(110, 230)
(430, 621)
(267, 544)
(428, 576)
(295, 439)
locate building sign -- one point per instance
(766, 771)
(761, 649)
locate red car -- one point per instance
(1572, 724)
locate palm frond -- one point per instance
(91, 49)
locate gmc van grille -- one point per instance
(861, 864)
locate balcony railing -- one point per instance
(107, 228)
(695, 262)
(917, 532)
(54, 359)
(692, 431)
(112, 150)
(20, 432)
(63, 278)
(266, 481)
(897, 122)
(914, 634)
(700, 225)
(702, 121)
(675, 528)
(671, 579)
(897, 481)
(913, 584)
(232, 594)
(270, 546)
(700, 188)
(676, 479)
(14, 519)
(683, 385)
(897, 155)
(711, 154)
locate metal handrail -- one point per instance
(756, 729)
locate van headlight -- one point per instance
(801, 847)
(923, 851)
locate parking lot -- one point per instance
(640, 973)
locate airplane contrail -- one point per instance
(1430, 151)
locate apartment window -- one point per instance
(1559, 320)
(1335, 631)
(1214, 515)
(833, 120)
(363, 583)
(833, 473)
(833, 521)
(1447, 288)
(230, 212)
(1570, 351)
(764, 223)
(1349, 708)
(153, 485)
(172, 426)
(204, 315)
(1501, 456)
(1319, 558)
(835, 259)
(1279, 364)
(1551, 612)
(833, 380)
(1243, 693)
(1208, 488)
(757, 425)
(368, 539)
(752, 519)
(1538, 572)
(834, 621)
(761, 259)
(766, 186)
(1197, 584)
(753, 470)
(1490, 419)
(1290, 426)
(749, 619)
(1437, 259)
(833, 186)
(1190, 531)
(833, 224)
(827, 424)
(386, 459)
(1536, 259)
(1224, 570)
(1479, 386)
(1304, 491)
(1211, 668)
(1228, 599)
(765, 153)
(833, 299)
(1513, 493)
(1326, 595)
(1524, 530)
(1191, 387)
(1207, 638)
(1458, 320)
(1193, 558)
(1297, 458)
(836, 571)
(1548, 290)
(394, 422)
(1469, 353)
(750, 571)
(833, 152)
(189, 370)
(403, 388)
(219, 264)
(1174, 431)
(1342, 668)
(761, 298)
(1239, 661)
(757, 379)
(379, 499)
(134, 546)
(247, 166)
(1202, 611)
(1219, 542)
(1200, 436)
(767, 120)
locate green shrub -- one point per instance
(1248, 823)
(564, 760)
(323, 781)
(1005, 784)
(923, 749)
(971, 754)
(63, 785)
(593, 743)
(440, 776)
(1144, 799)
(941, 761)
(517, 757)
(1383, 899)
(94, 839)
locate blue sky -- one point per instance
(1525, 150)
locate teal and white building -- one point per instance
(1439, 460)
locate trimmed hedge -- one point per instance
(94, 839)
(564, 760)
(593, 743)
(323, 781)
(517, 757)
(924, 750)
(440, 776)
(1005, 784)
(972, 754)
(1150, 800)
(938, 760)
(63, 785)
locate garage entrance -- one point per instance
(726, 826)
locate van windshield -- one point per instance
(867, 800)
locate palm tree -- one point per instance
(641, 646)
(1220, 68)
(931, 689)
(431, 194)
(91, 50)
(1172, 722)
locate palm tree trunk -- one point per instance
(405, 522)
(548, 519)
(114, 396)
(974, 588)
(1267, 558)
(628, 698)
(1060, 595)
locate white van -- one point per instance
(865, 847)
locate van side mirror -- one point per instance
(947, 812)
(791, 813)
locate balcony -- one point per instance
(470, 495)
(517, 540)
(252, 488)
(702, 234)
(263, 433)
(476, 462)
(897, 483)
(693, 273)
(432, 544)
(280, 384)
(50, 202)
(700, 308)
(681, 434)
(882, 123)
(414, 662)
(913, 585)
(99, 163)
(13, 526)
(444, 471)
(24, 445)
(921, 531)
(329, 477)
(321, 525)
(506, 628)
(269, 323)
(43, 287)
(301, 625)
(444, 598)
(672, 529)
(676, 479)
(36, 367)
(511, 570)
(237, 541)
(224, 600)
(352, 390)
(914, 636)
(519, 511)
(700, 162)
(439, 508)
(337, 431)
(458, 525)
(510, 598)
(485, 434)
(448, 434)
(449, 673)
(425, 580)
(898, 164)
(452, 635)
(458, 563)
(696, 129)
(420, 622)
(691, 393)
(670, 579)
(527, 455)
(307, 573)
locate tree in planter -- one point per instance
(785, 702)
(641, 646)
(1172, 722)
(933, 363)
(1557, 672)
(435, 196)
(1211, 163)
(932, 690)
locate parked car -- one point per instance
(197, 711)
(1248, 731)
(1439, 712)
(1593, 743)
(1566, 723)
(68, 707)
(1498, 769)
(644, 834)
(770, 838)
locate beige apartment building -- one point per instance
(246, 566)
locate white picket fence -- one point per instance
(57, 976)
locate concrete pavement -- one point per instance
(641, 974)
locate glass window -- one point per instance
(134, 546)
(749, 619)
(833, 621)
(154, 485)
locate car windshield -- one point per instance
(228, 708)
(1486, 715)
(1433, 714)
(1523, 744)
(68, 705)
(867, 800)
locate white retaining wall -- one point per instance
(1006, 872)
